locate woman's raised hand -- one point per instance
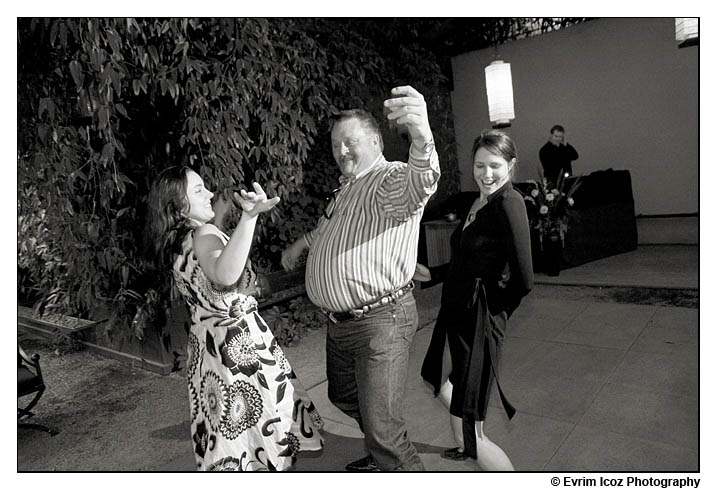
(255, 202)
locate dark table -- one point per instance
(601, 223)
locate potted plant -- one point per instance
(548, 216)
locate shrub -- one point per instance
(105, 104)
(289, 321)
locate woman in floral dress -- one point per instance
(248, 411)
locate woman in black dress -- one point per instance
(489, 273)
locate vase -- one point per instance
(552, 255)
(536, 251)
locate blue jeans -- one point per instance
(367, 362)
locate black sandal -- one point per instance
(454, 454)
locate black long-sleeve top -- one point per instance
(497, 240)
(556, 158)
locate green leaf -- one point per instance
(153, 53)
(102, 117)
(42, 106)
(114, 39)
(115, 79)
(108, 150)
(121, 109)
(42, 132)
(53, 32)
(76, 73)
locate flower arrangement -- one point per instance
(548, 208)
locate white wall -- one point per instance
(624, 91)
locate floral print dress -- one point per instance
(248, 410)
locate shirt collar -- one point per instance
(500, 192)
(343, 180)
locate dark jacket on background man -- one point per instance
(555, 158)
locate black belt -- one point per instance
(360, 312)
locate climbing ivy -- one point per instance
(105, 104)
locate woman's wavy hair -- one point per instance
(498, 143)
(166, 222)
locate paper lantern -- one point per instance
(500, 93)
(687, 31)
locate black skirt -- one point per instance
(476, 339)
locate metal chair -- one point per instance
(29, 381)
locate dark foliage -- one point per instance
(105, 104)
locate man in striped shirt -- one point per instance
(362, 256)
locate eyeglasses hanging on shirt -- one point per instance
(330, 202)
(331, 197)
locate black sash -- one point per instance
(492, 330)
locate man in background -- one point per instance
(556, 155)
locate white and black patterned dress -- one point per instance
(248, 410)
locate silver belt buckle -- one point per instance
(407, 288)
(357, 313)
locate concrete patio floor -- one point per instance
(599, 386)
(649, 266)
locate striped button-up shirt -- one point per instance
(368, 246)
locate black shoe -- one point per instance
(367, 464)
(454, 454)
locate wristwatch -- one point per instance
(429, 146)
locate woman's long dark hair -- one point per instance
(166, 223)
